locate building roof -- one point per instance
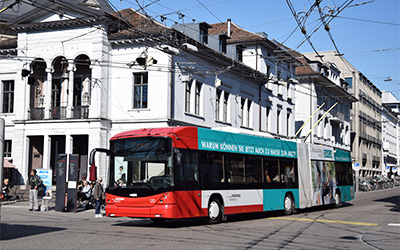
(305, 68)
(244, 37)
(137, 24)
(236, 35)
(21, 8)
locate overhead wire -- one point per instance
(323, 22)
(137, 3)
(205, 7)
(370, 21)
(220, 21)
(326, 26)
(152, 3)
(302, 26)
(182, 16)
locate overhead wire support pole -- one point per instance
(309, 118)
(322, 117)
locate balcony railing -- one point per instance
(80, 112)
(58, 113)
(36, 113)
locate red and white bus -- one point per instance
(190, 172)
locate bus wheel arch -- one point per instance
(338, 201)
(215, 209)
(288, 204)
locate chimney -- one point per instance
(229, 28)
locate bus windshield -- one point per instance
(139, 162)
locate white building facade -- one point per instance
(72, 81)
(390, 134)
(276, 115)
(324, 118)
(366, 127)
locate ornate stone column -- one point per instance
(47, 97)
(46, 151)
(70, 91)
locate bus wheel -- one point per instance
(337, 200)
(215, 211)
(288, 205)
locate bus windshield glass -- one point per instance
(138, 162)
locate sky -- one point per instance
(366, 32)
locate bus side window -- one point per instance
(253, 169)
(211, 170)
(186, 166)
(287, 173)
(271, 171)
(234, 168)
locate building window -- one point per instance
(278, 114)
(222, 44)
(245, 107)
(225, 107)
(140, 86)
(248, 113)
(239, 53)
(197, 100)
(8, 96)
(349, 81)
(268, 110)
(320, 127)
(242, 105)
(56, 93)
(203, 34)
(217, 104)
(7, 148)
(288, 123)
(187, 96)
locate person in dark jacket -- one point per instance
(98, 195)
(35, 182)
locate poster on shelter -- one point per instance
(46, 175)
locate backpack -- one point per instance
(41, 188)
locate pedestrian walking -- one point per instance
(35, 182)
(98, 195)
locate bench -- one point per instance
(22, 192)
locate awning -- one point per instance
(8, 164)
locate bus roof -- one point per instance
(215, 140)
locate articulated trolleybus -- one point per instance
(188, 172)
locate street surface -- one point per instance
(370, 221)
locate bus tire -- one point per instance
(288, 204)
(337, 199)
(215, 211)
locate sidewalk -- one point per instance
(50, 206)
(19, 212)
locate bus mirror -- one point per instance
(93, 152)
(177, 157)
